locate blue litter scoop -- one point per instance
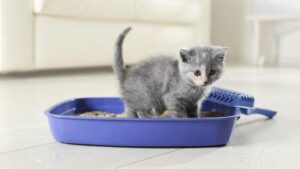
(67, 127)
(239, 100)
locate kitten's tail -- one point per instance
(119, 67)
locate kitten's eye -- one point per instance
(212, 72)
(197, 73)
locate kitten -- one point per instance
(168, 84)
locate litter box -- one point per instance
(66, 127)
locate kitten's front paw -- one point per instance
(143, 115)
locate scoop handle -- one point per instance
(248, 111)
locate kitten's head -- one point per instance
(202, 65)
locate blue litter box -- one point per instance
(182, 132)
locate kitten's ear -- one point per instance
(220, 53)
(184, 54)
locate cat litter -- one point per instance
(213, 130)
(100, 114)
(165, 114)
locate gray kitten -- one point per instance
(165, 83)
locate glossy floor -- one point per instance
(26, 142)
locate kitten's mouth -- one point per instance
(202, 85)
(205, 84)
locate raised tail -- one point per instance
(119, 66)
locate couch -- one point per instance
(57, 34)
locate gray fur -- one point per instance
(119, 67)
(165, 83)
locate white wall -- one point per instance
(274, 7)
(289, 49)
(231, 27)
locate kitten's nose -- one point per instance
(205, 83)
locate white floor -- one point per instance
(26, 142)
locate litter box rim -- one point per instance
(49, 113)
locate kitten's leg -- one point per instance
(199, 111)
(199, 107)
(131, 113)
(141, 114)
(148, 114)
(174, 107)
(192, 111)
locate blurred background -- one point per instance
(53, 50)
(58, 34)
